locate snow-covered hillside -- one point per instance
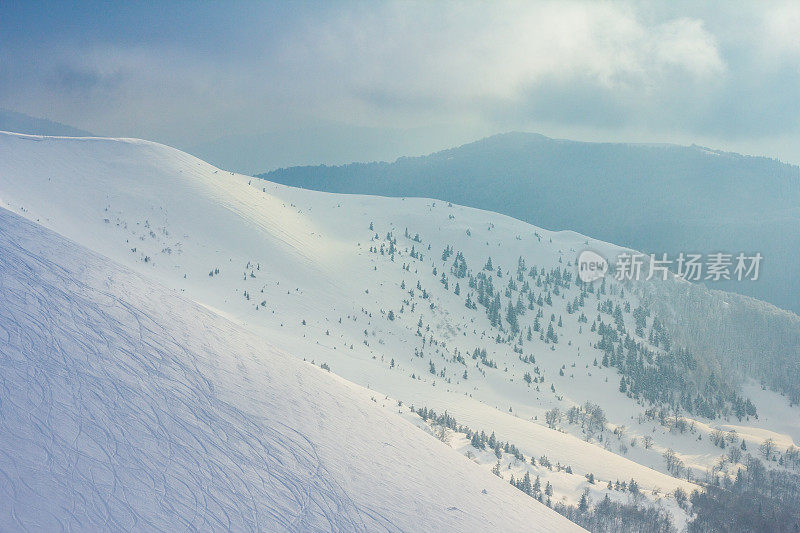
(379, 290)
(125, 406)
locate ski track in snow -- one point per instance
(322, 293)
(92, 421)
(123, 407)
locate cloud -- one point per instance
(685, 44)
(431, 53)
(780, 29)
(653, 71)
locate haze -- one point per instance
(256, 86)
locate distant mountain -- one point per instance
(655, 198)
(22, 123)
(327, 142)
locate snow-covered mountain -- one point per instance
(127, 407)
(651, 197)
(582, 387)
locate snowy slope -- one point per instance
(124, 406)
(303, 270)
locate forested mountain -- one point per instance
(653, 198)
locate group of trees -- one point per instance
(665, 377)
(590, 416)
(607, 515)
(478, 440)
(533, 489)
(652, 368)
(507, 317)
(757, 499)
(522, 305)
(633, 341)
(614, 517)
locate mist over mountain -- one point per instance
(332, 143)
(22, 123)
(654, 198)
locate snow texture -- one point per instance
(124, 406)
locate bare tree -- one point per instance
(552, 417)
(767, 448)
(442, 434)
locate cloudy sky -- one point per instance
(253, 86)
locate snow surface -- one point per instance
(124, 406)
(294, 268)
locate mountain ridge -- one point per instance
(391, 294)
(658, 199)
(530, 136)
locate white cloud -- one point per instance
(780, 31)
(642, 70)
(451, 54)
(686, 44)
